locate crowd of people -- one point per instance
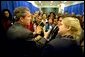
(42, 35)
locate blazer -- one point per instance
(17, 31)
(63, 46)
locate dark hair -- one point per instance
(48, 18)
(39, 14)
(3, 16)
(54, 16)
(60, 17)
(52, 13)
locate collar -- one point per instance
(68, 37)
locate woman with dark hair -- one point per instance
(53, 15)
(6, 18)
(7, 13)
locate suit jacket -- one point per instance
(19, 42)
(17, 31)
(61, 47)
(53, 33)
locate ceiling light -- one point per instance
(65, 1)
(51, 1)
(39, 1)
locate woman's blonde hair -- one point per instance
(74, 25)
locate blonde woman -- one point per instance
(72, 27)
(66, 45)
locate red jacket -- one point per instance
(6, 24)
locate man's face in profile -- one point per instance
(28, 17)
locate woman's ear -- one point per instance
(68, 28)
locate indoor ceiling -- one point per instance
(55, 3)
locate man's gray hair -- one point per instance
(20, 12)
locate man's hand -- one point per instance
(38, 30)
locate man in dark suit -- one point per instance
(18, 30)
(19, 38)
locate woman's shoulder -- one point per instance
(64, 41)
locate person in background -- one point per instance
(55, 22)
(49, 23)
(6, 19)
(53, 15)
(35, 21)
(38, 22)
(44, 18)
(59, 20)
(6, 22)
(38, 28)
(35, 16)
(39, 18)
(49, 28)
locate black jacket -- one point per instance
(61, 47)
(19, 42)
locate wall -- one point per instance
(77, 9)
(49, 9)
(11, 5)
